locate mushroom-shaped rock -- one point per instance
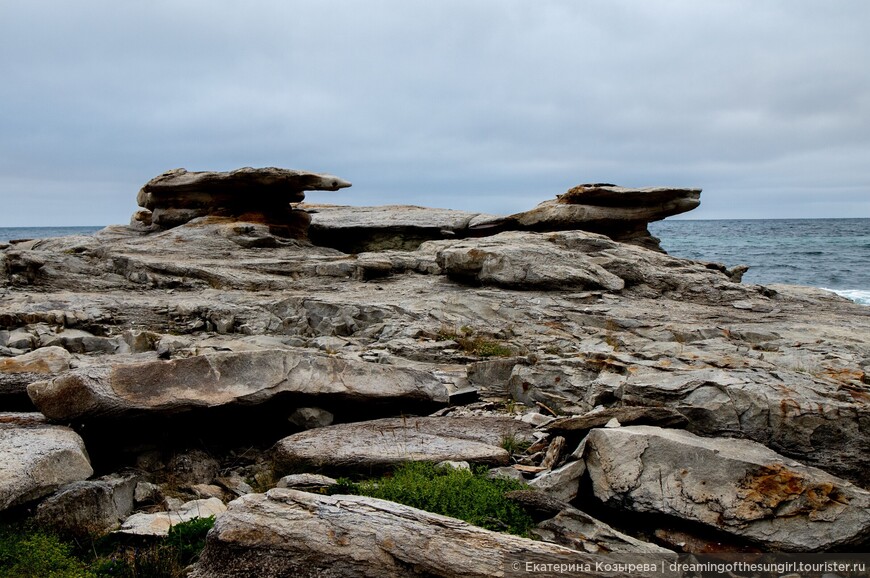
(621, 213)
(254, 194)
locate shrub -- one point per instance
(462, 494)
(26, 553)
(31, 553)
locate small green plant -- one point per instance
(343, 486)
(475, 344)
(463, 494)
(514, 445)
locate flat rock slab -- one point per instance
(37, 458)
(593, 207)
(380, 444)
(738, 486)
(358, 229)
(247, 377)
(292, 533)
(160, 523)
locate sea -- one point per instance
(833, 254)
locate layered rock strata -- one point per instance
(217, 379)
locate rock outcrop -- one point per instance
(258, 195)
(188, 352)
(737, 486)
(37, 458)
(292, 533)
(389, 227)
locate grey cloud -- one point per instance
(486, 105)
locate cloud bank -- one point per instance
(491, 105)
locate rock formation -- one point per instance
(618, 212)
(552, 343)
(216, 379)
(258, 195)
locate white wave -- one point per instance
(861, 296)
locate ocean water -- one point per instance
(830, 253)
(13, 233)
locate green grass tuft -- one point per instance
(462, 494)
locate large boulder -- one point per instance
(260, 195)
(37, 458)
(379, 444)
(292, 533)
(737, 486)
(523, 261)
(89, 508)
(217, 379)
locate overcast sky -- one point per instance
(489, 105)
